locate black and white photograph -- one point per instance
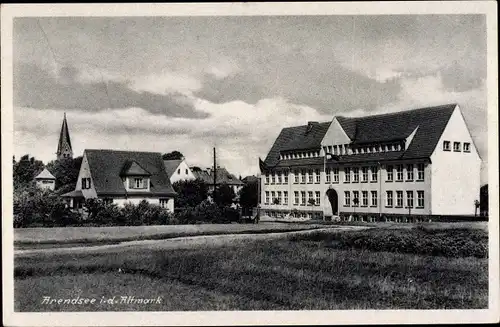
(217, 163)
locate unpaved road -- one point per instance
(174, 243)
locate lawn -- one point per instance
(73, 235)
(289, 273)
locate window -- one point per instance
(374, 172)
(187, 172)
(365, 198)
(309, 196)
(310, 177)
(296, 198)
(466, 147)
(374, 198)
(47, 182)
(318, 198)
(420, 172)
(389, 199)
(328, 173)
(178, 171)
(267, 197)
(279, 177)
(409, 172)
(347, 175)
(364, 177)
(446, 145)
(267, 178)
(139, 183)
(303, 196)
(335, 175)
(296, 177)
(279, 197)
(273, 178)
(163, 203)
(318, 176)
(355, 175)
(399, 199)
(355, 200)
(285, 197)
(273, 197)
(86, 184)
(303, 177)
(390, 173)
(420, 199)
(347, 198)
(399, 173)
(456, 147)
(285, 178)
(409, 199)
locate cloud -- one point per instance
(37, 88)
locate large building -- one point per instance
(64, 149)
(410, 164)
(122, 177)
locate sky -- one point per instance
(192, 83)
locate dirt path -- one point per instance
(173, 243)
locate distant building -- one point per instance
(416, 162)
(250, 179)
(64, 149)
(178, 170)
(222, 177)
(122, 177)
(45, 180)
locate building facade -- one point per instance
(122, 177)
(222, 176)
(411, 164)
(178, 170)
(45, 180)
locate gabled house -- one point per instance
(45, 180)
(222, 177)
(178, 170)
(122, 176)
(420, 162)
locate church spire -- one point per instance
(64, 149)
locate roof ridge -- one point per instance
(126, 151)
(443, 106)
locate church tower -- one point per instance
(64, 150)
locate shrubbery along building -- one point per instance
(416, 163)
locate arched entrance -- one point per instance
(334, 201)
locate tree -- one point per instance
(311, 202)
(174, 155)
(196, 169)
(355, 201)
(25, 170)
(190, 193)
(476, 206)
(224, 195)
(66, 173)
(249, 196)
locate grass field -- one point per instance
(289, 273)
(69, 235)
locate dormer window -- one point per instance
(446, 145)
(139, 182)
(456, 147)
(466, 147)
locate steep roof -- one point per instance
(106, 166)
(64, 136)
(297, 138)
(222, 177)
(171, 166)
(431, 122)
(45, 174)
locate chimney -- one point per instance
(310, 125)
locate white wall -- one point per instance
(85, 173)
(455, 175)
(335, 135)
(183, 172)
(46, 184)
(136, 200)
